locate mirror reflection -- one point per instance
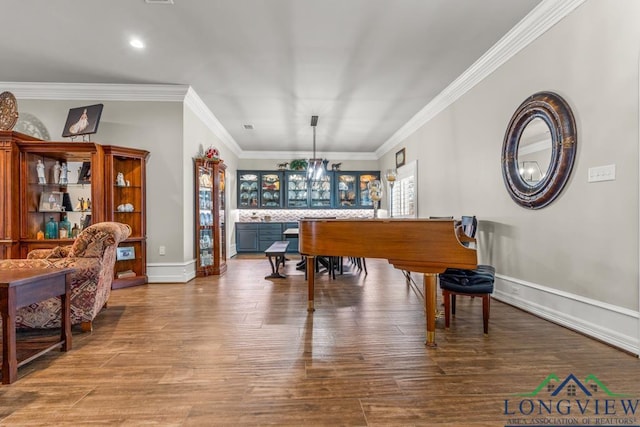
(534, 152)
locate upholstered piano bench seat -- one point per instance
(477, 282)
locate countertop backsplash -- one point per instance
(292, 215)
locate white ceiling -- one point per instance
(365, 67)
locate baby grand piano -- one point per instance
(427, 246)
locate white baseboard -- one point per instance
(614, 325)
(171, 272)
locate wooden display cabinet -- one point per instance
(92, 192)
(210, 217)
(125, 178)
(45, 197)
(9, 194)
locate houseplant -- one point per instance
(298, 164)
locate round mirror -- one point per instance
(534, 152)
(539, 150)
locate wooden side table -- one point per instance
(19, 288)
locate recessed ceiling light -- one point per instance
(248, 127)
(158, 1)
(137, 43)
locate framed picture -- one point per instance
(400, 158)
(50, 201)
(125, 252)
(82, 121)
(84, 176)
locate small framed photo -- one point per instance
(84, 176)
(51, 201)
(400, 158)
(125, 253)
(82, 121)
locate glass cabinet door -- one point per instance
(222, 214)
(205, 206)
(321, 192)
(347, 190)
(248, 190)
(270, 190)
(365, 199)
(297, 196)
(59, 202)
(210, 238)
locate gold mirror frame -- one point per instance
(556, 113)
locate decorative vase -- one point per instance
(51, 229)
(375, 193)
(64, 228)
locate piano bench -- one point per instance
(478, 282)
(276, 253)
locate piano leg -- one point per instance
(430, 307)
(311, 273)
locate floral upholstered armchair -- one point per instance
(93, 255)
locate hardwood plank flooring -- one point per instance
(242, 350)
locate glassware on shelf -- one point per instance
(346, 190)
(375, 193)
(64, 228)
(248, 190)
(365, 199)
(391, 176)
(74, 231)
(51, 229)
(270, 184)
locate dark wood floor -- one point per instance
(241, 350)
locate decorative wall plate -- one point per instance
(29, 124)
(8, 111)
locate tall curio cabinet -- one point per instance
(125, 195)
(210, 217)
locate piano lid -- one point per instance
(420, 245)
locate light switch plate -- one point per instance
(602, 173)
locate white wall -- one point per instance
(575, 261)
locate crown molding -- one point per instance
(195, 103)
(532, 26)
(279, 155)
(124, 92)
(100, 91)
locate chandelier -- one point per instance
(316, 167)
